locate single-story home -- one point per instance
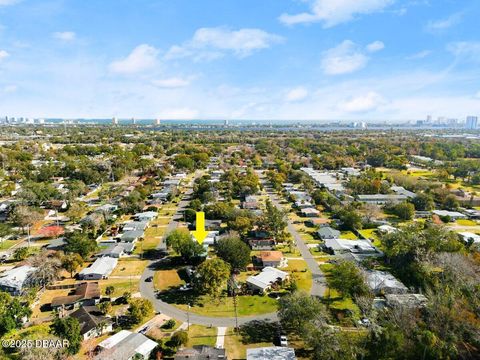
(400, 190)
(271, 258)
(454, 215)
(264, 280)
(146, 216)
(92, 322)
(200, 352)
(382, 282)
(135, 225)
(303, 204)
(338, 246)
(87, 293)
(100, 269)
(114, 251)
(381, 199)
(469, 236)
(326, 232)
(126, 345)
(15, 280)
(386, 229)
(56, 244)
(271, 353)
(131, 236)
(261, 244)
(310, 212)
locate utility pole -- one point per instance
(188, 318)
(233, 287)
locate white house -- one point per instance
(126, 345)
(264, 281)
(14, 280)
(100, 269)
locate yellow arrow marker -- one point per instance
(200, 233)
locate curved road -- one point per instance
(147, 289)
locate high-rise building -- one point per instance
(471, 123)
(115, 121)
(157, 121)
(225, 123)
(134, 121)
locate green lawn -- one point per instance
(130, 267)
(372, 235)
(7, 244)
(348, 235)
(201, 335)
(166, 279)
(235, 347)
(297, 268)
(466, 222)
(120, 286)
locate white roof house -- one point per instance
(126, 345)
(452, 214)
(384, 282)
(100, 269)
(211, 238)
(345, 245)
(271, 353)
(14, 280)
(469, 236)
(387, 229)
(146, 216)
(380, 199)
(266, 278)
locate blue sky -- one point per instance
(240, 59)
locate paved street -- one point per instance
(148, 292)
(319, 281)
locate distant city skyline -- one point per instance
(354, 60)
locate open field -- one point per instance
(129, 267)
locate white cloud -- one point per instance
(443, 24)
(296, 94)
(363, 103)
(8, 89)
(419, 55)
(465, 50)
(4, 54)
(477, 95)
(345, 58)
(8, 2)
(211, 43)
(334, 12)
(179, 114)
(64, 35)
(143, 57)
(375, 46)
(171, 83)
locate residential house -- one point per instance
(131, 236)
(126, 345)
(201, 352)
(386, 229)
(327, 232)
(92, 322)
(381, 199)
(310, 212)
(338, 246)
(271, 258)
(271, 353)
(382, 282)
(100, 269)
(146, 216)
(266, 279)
(470, 237)
(15, 280)
(84, 294)
(261, 244)
(400, 190)
(317, 222)
(454, 215)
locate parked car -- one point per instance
(283, 340)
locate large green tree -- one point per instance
(234, 251)
(212, 276)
